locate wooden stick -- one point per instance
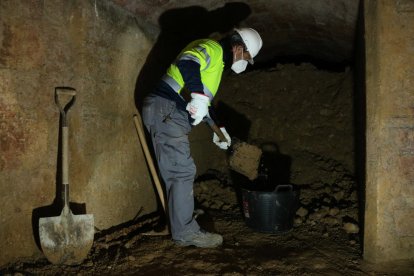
(141, 135)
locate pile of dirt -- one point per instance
(216, 195)
(331, 195)
(297, 107)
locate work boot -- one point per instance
(201, 239)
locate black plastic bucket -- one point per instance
(270, 212)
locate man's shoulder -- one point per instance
(209, 44)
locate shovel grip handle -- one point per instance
(68, 91)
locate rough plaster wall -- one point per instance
(96, 48)
(389, 224)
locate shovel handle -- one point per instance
(64, 97)
(65, 155)
(150, 162)
(216, 130)
(65, 165)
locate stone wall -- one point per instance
(98, 49)
(389, 39)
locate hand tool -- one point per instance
(150, 162)
(66, 239)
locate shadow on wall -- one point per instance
(237, 124)
(178, 28)
(274, 167)
(360, 117)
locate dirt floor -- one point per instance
(302, 251)
(306, 249)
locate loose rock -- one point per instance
(351, 228)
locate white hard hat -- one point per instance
(252, 40)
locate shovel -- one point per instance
(66, 239)
(244, 158)
(150, 162)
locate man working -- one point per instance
(168, 118)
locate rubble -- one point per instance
(331, 200)
(213, 194)
(351, 228)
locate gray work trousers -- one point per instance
(169, 128)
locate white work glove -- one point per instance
(198, 107)
(220, 144)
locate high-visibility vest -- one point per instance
(209, 54)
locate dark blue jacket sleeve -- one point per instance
(190, 70)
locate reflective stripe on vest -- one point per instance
(193, 58)
(209, 54)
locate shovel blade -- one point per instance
(66, 239)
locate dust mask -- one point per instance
(239, 66)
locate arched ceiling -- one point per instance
(319, 29)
